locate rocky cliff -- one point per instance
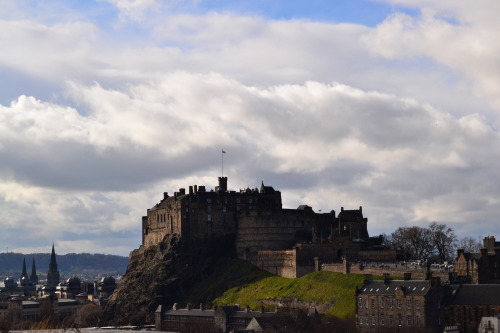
(176, 271)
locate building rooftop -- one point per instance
(477, 294)
(389, 288)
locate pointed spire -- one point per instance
(53, 262)
(34, 276)
(24, 274)
(53, 273)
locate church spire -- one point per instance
(53, 262)
(34, 276)
(24, 274)
(53, 273)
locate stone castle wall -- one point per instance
(344, 268)
(281, 263)
(271, 230)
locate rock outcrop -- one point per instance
(168, 273)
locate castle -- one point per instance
(286, 242)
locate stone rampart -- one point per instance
(272, 231)
(282, 263)
(417, 274)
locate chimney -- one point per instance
(165, 195)
(484, 253)
(182, 191)
(196, 189)
(174, 307)
(435, 281)
(360, 209)
(247, 308)
(190, 189)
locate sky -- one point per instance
(392, 105)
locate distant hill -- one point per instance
(86, 265)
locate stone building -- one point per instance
(479, 268)
(220, 319)
(398, 304)
(468, 303)
(18, 309)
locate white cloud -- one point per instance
(133, 9)
(348, 146)
(458, 34)
(400, 119)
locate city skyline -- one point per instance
(104, 105)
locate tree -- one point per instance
(47, 309)
(444, 240)
(469, 244)
(416, 242)
(89, 315)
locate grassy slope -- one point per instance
(226, 274)
(321, 287)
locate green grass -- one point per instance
(226, 273)
(321, 287)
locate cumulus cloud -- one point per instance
(399, 118)
(327, 145)
(456, 34)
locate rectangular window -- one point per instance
(399, 303)
(408, 320)
(382, 320)
(366, 304)
(417, 305)
(360, 302)
(209, 218)
(373, 320)
(389, 302)
(361, 320)
(391, 322)
(381, 302)
(373, 304)
(408, 304)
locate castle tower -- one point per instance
(53, 273)
(33, 276)
(222, 184)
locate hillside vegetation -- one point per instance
(321, 288)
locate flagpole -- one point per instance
(222, 158)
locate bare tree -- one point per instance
(89, 315)
(444, 240)
(416, 242)
(469, 244)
